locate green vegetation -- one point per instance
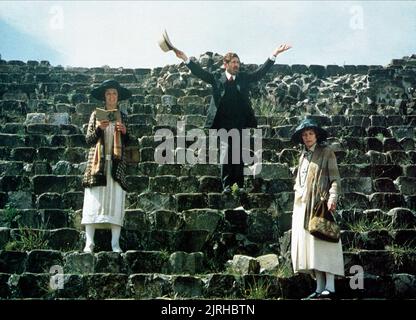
(401, 252)
(28, 240)
(364, 224)
(9, 217)
(264, 107)
(259, 290)
(284, 271)
(380, 137)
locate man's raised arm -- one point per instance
(262, 70)
(195, 68)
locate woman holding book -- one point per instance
(104, 177)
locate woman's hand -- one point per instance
(102, 124)
(332, 205)
(181, 55)
(282, 48)
(121, 127)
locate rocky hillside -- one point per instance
(182, 238)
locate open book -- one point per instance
(165, 43)
(102, 114)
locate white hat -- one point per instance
(165, 44)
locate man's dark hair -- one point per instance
(229, 56)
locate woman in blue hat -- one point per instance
(317, 175)
(104, 177)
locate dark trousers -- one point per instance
(232, 173)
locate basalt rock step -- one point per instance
(214, 285)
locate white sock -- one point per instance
(320, 281)
(115, 237)
(89, 235)
(330, 282)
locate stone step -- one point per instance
(73, 149)
(150, 285)
(130, 262)
(376, 219)
(210, 286)
(382, 262)
(68, 239)
(47, 190)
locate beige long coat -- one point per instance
(309, 253)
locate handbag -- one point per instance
(322, 224)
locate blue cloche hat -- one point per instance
(308, 123)
(99, 92)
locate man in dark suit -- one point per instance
(230, 107)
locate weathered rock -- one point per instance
(406, 185)
(79, 263)
(222, 285)
(244, 265)
(41, 261)
(109, 262)
(168, 100)
(386, 201)
(377, 262)
(149, 285)
(155, 201)
(136, 220)
(58, 118)
(269, 263)
(32, 118)
(188, 201)
(104, 286)
(49, 201)
(21, 199)
(163, 219)
(362, 185)
(191, 240)
(25, 154)
(261, 227)
(201, 219)
(64, 239)
(29, 285)
(4, 236)
(404, 286)
(384, 185)
(402, 218)
(12, 261)
(276, 171)
(182, 262)
(146, 261)
(187, 286)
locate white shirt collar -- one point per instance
(228, 75)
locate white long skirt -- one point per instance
(104, 205)
(309, 253)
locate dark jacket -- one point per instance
(243, 80)
(118, 171)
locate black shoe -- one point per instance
(327, 295)
(314, 295)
